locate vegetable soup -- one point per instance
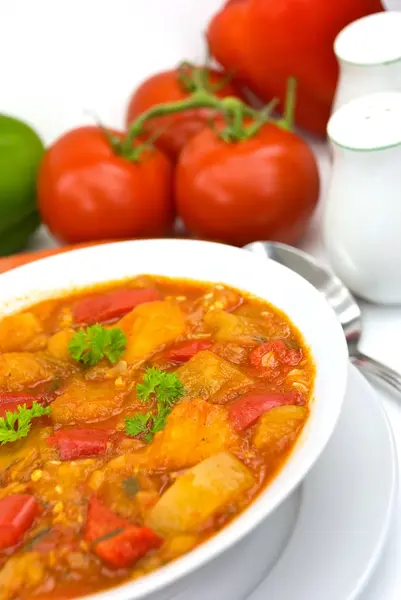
(137, 420)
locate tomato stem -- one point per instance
(242, 121)
(287, 122)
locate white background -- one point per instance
(67, 62)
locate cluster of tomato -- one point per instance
(193, 149)
(96, 184)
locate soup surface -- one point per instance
(136, 420)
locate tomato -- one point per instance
(273, 351)
(175, 130)
(247, 409)
(265, 187)
(88, 192)
(267, 42)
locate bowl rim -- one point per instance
(179, 569)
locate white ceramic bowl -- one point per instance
(241, 269)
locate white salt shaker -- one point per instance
(362, 214)
(369, 55)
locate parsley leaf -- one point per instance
(168, 389)
(90, 345)
(16, 425)
(137, 424)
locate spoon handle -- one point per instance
(371, 367)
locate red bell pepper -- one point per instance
(101, 521)
(79, 443)
(183, 351)
(266, 42)
(247, 409)
(17, 513)
(124, 549)
(101, 308)
(9, 401)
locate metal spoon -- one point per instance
(340, 299)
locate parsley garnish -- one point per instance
(17, 425)
(90, 345)
(168, 389)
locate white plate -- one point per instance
(325, 541)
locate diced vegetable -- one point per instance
(9, 401)
(18, 369)
(17, 513)
(198, 494)
(18, 331)
(97, 309)
(279, 426)
(22, 571)
(228, 327)
(150, 326)
(101, 521)
(58, 344)
(124, 549)
(270, 355)
(212, 378)
(247, 409)
(183, 351)
(194, 431)
(79, 443)
(85, 401)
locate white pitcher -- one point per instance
(369, 55)
(362, 218)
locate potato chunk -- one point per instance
(199, 494)
(279, 426)
(233, 328)
(150, 326)
(18, 369)
(18, 333)
(212, 378)
(58, 344)
(23, 571)
(194, 431)
(85, 401)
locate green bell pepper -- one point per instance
(21, 150)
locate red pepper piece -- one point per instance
(17, 513)
(9, 401)
(97, 309)
(183, 351)
(101, 521)
(274, 351)
(125, 548)
(79, 443)
(247, 409)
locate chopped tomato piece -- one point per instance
(101, 521)
(125, 548)
(17, 513)
(271, 354)
(183, 351)
(9, 401)
(79, 443)
(247, 409)
(113, 305)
